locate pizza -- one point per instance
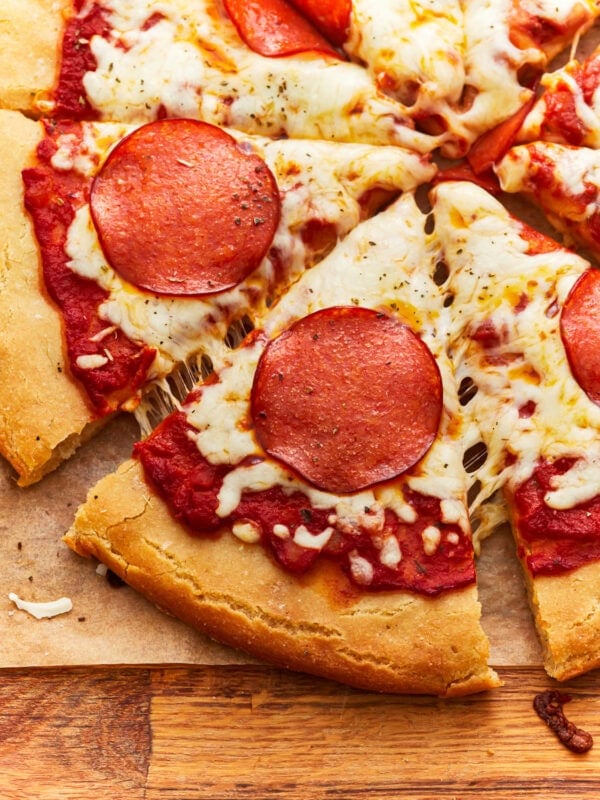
(314, 498)
(525, 353)
(278, 233)
(119, 337)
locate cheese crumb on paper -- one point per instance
(45, 610)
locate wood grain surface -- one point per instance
(237, 732)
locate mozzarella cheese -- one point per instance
(318, 181)
(413, 49)
(191, 62)
(574, 170)
(386, 263)
(541, 123)
(44, 610)
(493, 63)
(494, 280)
(452, 64)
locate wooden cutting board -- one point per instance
(253, 732)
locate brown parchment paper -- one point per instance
(107, 625)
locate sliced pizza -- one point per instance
(525, 346)
(307, 503)
(563, 181)
(420, 75)
(244, 69)
(153, 241)
(507, 45)
(568, 111)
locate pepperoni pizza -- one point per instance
(316, 482)
(340, 380)
(94, 190)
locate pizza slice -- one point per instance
(568, 110)
(507, 46)
(525, 346)
(563, 181)
(122, 60)
(418, 75)
(307, 503)
(413, 52)
(145, 266)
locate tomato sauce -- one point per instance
(553, 541)
(562, 116)
(190, 485)
(52, 197)
(77, 59)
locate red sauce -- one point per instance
(52, 197)
(561, 116)
(487, 334)
(537, 243)
(543, 169)
(589, 78)
(190, 485)
(77, 59)
(554, 540)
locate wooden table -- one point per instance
(184, 733)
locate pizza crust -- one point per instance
(31, 33)
(567, 617)
(388, 641)
(43, 414)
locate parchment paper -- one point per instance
(107, 625)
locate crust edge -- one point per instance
(390, 642)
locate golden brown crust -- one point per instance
(43, 414)
(567, 616)
(388, 641)
(31, 33)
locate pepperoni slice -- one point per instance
(493, 144)
(580, 331)
(274, 28)
(332, 19)
(181, 209)
(347, 397)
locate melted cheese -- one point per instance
(362, 570)
(493, 64)
(491, 272)
(313, 541)
(452, 62)
(390, 554)
(413, 49)
(387, 263)
(573, 171)
(317, 180)
(534, 128)
(192, 63)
